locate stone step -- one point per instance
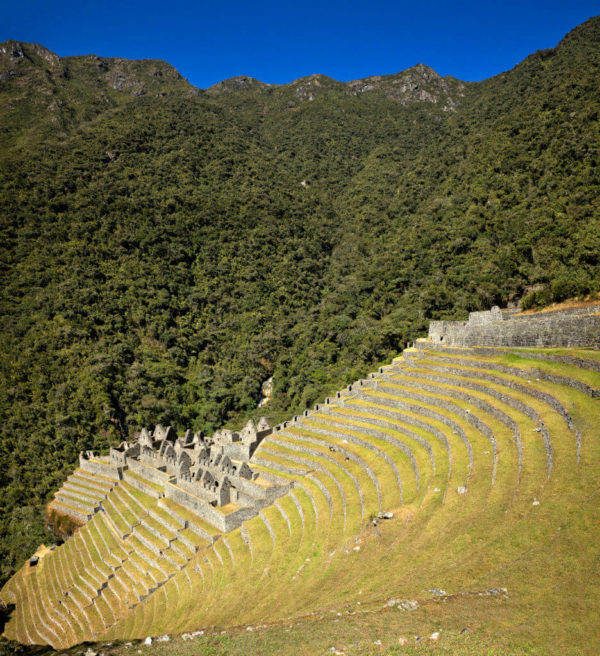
(318, 466)
(79, 501)
(158, 529)
(397, 397)
(333, 426)
(143, 485)
(67, 509)
(168, 520)
(507, 399)
(83, 492)
(403, 412)
(95, 479)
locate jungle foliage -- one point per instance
(166, 250)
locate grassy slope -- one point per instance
(305, 576)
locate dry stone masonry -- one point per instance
(209, 476)
(576, 327)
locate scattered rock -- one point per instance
(402, 641)
(535, 502)
(128, 644)
(436, 592)
(435, 635)
(465, 630)
(163, 638)
(385, 515)
(377, 642)
(91, 652)
(461, 489)
(436, 489)
(494, 592)
(249, 628)
(148, 641)
(357, 548)
(403, 604)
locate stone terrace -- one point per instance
(577, 327)
(462, 447)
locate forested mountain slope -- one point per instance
(165, 249)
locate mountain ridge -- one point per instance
(587, 30)
(132, 75)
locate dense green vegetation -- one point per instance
(161, 256)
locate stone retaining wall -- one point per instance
(581, 363)
(533, 372)
(332, 427)
(256, 491)
(87, 506)
(424, 412)
(196, 488)
(390, 426)
(148, 471)
(80, 515)
(100, 468)
(567, 312)
(223, 522)
(567, 329)
(470, 417)
(142, 487)
(294, 443)
(504, 398)
(486, 407)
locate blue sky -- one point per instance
(279, 41)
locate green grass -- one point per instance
(312, 565)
